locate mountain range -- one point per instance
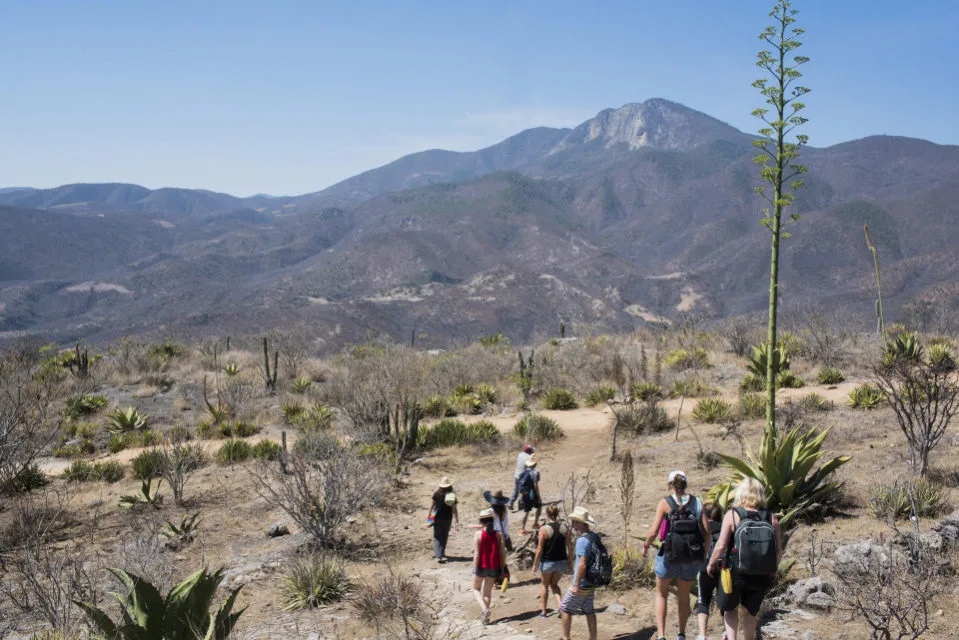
(637, 215)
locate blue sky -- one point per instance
(289, 97)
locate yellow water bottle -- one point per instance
(502, 589)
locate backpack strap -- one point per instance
(674, 506)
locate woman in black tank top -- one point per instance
(553, 551)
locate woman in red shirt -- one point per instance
(489, 561)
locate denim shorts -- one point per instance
(685, 571)
(554, 566)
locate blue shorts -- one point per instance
(685, 571)
(554, 566)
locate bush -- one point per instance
(437, 406)
(865, 396)
(391, 596)
(451, 432)
(207, 430)
(318, 417)
(179, 433)
(84, 405)
(301, 386)
(233, 451)
(600, 394)
(86, 447)
(642, 420)
(789, 380)
(146, 438)
(692, 388)
(85, 430)
(941, 358)
(815, 402)
(127, 420)
(681, 359)
(486, 393)
(537, 428)
(713, 411)
(752, 382)
(647, 391)
(148, 464)
(631, 571)
(120, 441)
(82, 471)
(266, 450)
(314, 580)
(830, 375)
(894, 500)
(559, 399)
(752, 406)
(384, 452)
(707, 460)
(238, 429)
(29, 478)
(291, 410)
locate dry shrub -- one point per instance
(398, 609)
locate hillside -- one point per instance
(635, 216)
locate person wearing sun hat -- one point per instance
(530, 497)
(443, 514)
(682, 528)
(521, 459)
(580, 597)
(489, 561)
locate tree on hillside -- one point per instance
(778, 156)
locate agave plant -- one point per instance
(301, 386)
(184, 614)
(231, 369)
(127, 420)
(148, 496)
(785, 468)
(185, 531)
(941, 358)
(905, 347)
(759, 359)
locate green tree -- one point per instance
(780, 149)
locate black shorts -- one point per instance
(496, 574)
(750, 593)
(706, 587)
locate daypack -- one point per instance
(527, 484)
(754, 544)
(599, 567)
(684, 538)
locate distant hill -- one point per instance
(635, 216)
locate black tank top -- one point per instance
(556, 545)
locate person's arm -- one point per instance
(432, 508)
(661, 510)
(779, 540)
(456, 515)
(724, 535)
(476, 549)
(502, 550)
(539, 548)
(708, 539)
(578, 574)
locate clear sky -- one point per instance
(288, 97)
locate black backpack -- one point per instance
(599, 565)
(754, 551)
(684, 540)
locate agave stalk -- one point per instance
(875, 258)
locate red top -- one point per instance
(489, 551)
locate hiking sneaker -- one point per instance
(485, 616)
(680, 636)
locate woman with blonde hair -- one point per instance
(750, 544)
(553, 550)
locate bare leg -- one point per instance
(567, 623)
(662, 593)
(703, 623)
(732, 623)
(536, 521)
(684, 588)
(544, 591)
(749, 626)
(487, 592)
(477, 585)
(557, 592)
(591, 623)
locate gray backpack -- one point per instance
(754, 550)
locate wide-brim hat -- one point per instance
(445, 483)
(486, 514)
(531, 462)
(495, 499)
(581, 514)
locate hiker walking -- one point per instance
(530, 495)
(552, 556)
(442, 516)
(681, 526)
(497, 502)
(489, 561)
(706, 584)
(750, 548)
(579, 598)
(521, 459)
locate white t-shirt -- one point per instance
(501, 525)
(521, 464)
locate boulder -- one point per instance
(859, 556)
(618, 609)
(277, 529)
(812, 593)
(948, 528)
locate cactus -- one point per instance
(269, 378)
(562, 329)
(524, 379)
(79, 364)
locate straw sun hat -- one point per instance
(581, 514)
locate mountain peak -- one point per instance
(655, 124)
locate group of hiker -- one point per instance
(733, 555)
